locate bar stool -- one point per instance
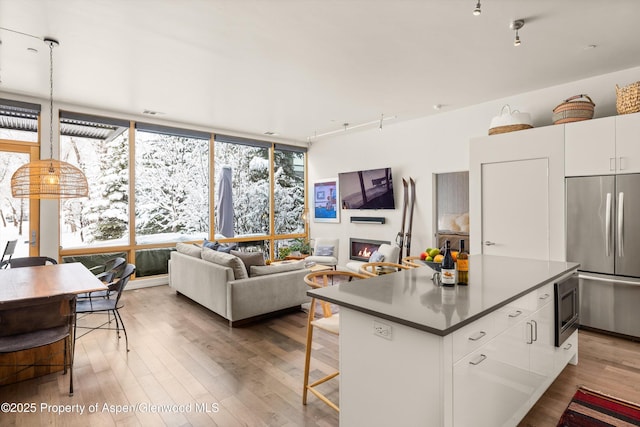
(329, 322)
(372, 269)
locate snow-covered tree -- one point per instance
(172, 191)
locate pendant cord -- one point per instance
(51, 100)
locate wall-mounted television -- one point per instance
(367, 189)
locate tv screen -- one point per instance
(367, 189)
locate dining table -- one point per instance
(41, 281)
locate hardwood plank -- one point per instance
(181, 354)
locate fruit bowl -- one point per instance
(433, 265)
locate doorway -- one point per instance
(19, 218)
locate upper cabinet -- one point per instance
(628, 143)
(605, 146)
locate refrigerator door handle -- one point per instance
(611, 279)
(620, 224)
(607, 226)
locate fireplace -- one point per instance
(361, 249)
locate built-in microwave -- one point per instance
(567, 308)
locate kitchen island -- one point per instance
(415, 353)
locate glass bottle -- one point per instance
(462, 265)
(448, 268)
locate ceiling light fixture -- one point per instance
(516, 25)
(477, 11)
(49, 178)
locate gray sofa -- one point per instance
(213, 284)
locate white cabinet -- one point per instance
(628, 143)
(512, 367)
(610, 145)
(590, 147)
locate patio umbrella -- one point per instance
(224, 224)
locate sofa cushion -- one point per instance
(188, 249)
(249, 259)
(226, 260)
(276, 268)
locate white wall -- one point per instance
(438, 143)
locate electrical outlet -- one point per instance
(382, 330)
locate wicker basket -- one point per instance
(509, 121)
(572, 110)
(628, 98)
(508, 128)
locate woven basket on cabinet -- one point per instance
(628, 98)
(572, 110)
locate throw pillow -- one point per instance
(324, 251)
(376, 257)
(276, 268)
(188, 249)
(249, 259)
(209, 244)
(226, 260)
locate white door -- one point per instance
(515, 208)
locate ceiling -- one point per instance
(302, 68)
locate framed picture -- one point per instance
(325, 201)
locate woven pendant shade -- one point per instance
(49, 179)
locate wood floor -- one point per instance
(182, 354)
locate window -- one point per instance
(289, 190)
(246, 164)
(171, 184)
(100, 148)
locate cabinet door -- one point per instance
(590, 147)
(515, 208)
(628, 143)
(487, 388)
(542, 355)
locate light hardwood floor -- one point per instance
(182, 354)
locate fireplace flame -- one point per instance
(365, 252)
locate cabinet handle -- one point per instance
(568, 346)
(515, 313)
(530, 337)
(545, 296)
(488, 243)
(622, 163)
(535, 328)
(612, 163)
(478, 360)
(477, 336)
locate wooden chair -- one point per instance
(409, 261)
(36, 322)
(31, 261)
(372, 269)
(329, 322)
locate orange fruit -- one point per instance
(438, 258)
(454, 255)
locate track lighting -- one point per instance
(516, 25)
(477, 11)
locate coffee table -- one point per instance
(316, 267)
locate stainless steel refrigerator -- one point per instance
(603, 235)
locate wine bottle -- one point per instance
(448, 268)
(462, 265)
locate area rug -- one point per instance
(589, 408)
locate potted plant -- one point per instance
(300, 246)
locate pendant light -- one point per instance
(49, 178)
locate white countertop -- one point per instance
(411, 298)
